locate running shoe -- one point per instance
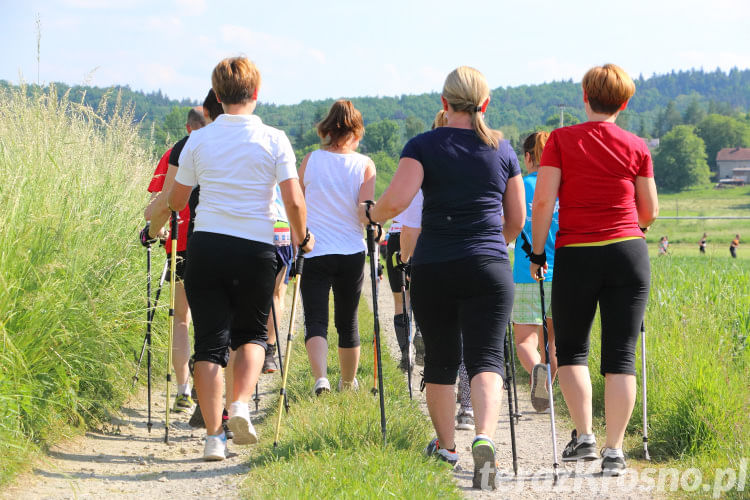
(225, 424)
(613, 462)
(240, 425)
(348, 386)
(269, 363)
(321, 385)
(539, 394)
(419, 349)
(434, 450)
(577, 449)
(196, 420)
(215, 449)
(182, 402)
(485, 466)
(465, 420)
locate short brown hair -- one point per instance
(343, 120)
(607, 87)
(235, 80)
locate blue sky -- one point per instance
(314, 50)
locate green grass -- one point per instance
(698, 352)
(331, 447)
(72, 280)
(704, 203)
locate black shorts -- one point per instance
(469, 299)
(229, 287)
(394, 277)
(344, 274)
(180, 267)
(617, 278)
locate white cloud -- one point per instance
(190, 7)
(256, 42)
(710, 60)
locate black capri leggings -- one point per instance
(229, 285)
(615, 276)
(468, 298)
(343, 273)
(394, 278)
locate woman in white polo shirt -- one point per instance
(237, 161)
(335, 179)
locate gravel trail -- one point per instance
(534, 480)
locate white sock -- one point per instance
(586, 438)
(183, 389)
(613, 453)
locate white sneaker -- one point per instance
(239, 423)
(348, 386)
(321, 385)
(216, 448)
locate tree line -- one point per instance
(694, 113)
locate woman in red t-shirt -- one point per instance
(603, 177)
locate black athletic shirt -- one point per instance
(174, 159)
(464, 183)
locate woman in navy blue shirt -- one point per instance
(462, 284)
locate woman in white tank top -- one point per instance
(335, 179)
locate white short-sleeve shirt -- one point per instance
(412, 216)
(237, 161)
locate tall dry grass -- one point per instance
(72, 277)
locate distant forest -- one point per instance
(661, 102)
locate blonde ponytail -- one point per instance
(466, 90)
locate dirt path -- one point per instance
(122, 460)
(534, 480)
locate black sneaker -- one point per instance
(196, 420)
(613, 462)
(407, 353)
(269, 364)
(434, 450)
(576, 450)
(485, 466)
(225, 426)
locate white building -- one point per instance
(729, 159)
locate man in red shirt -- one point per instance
(162, 181)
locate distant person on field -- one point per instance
(663, 245)
(702, 244)
(335, 180)
(734, 246)
(237, 161)
(162, 182)
(527, 311)
(603, 178)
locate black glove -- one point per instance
(146, 240)
(398, 264)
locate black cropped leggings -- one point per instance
(467, 299)
(617, 278)
(344, 274)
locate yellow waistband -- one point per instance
(605, 242)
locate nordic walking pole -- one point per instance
(516, 413)
(278, 350)
(527, 249)
(645, 392)
(282, 392)
(402, 276)
(172, 286)
(511, 413)
(371, 249)
(149, 316)
(256, 398)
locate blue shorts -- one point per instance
(284, 258)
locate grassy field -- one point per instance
(331, 446)
(72, 282)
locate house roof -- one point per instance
(733, 154)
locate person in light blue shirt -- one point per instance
(527, 311)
